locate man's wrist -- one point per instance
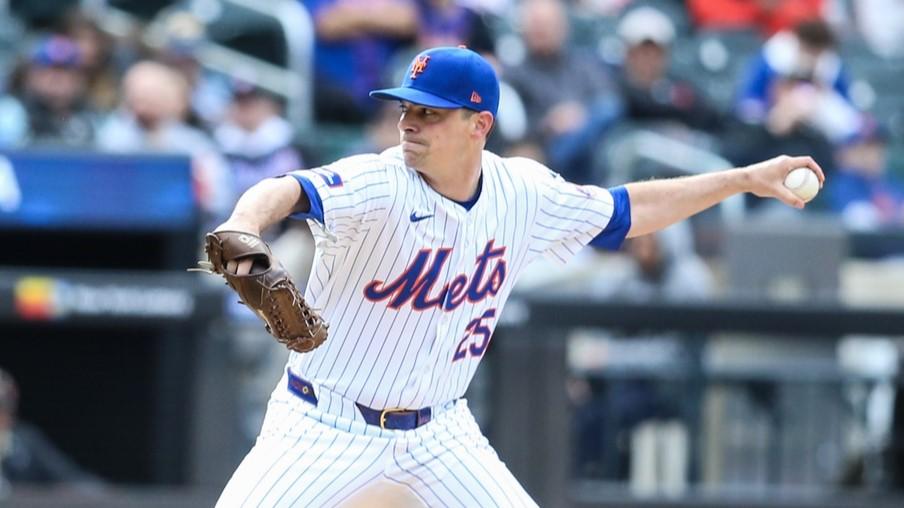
(742, 180)
(238, 224)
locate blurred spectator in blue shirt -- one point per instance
(356, 39)
(47, 105)
(798, 77)
(794, 99)
(862, 190)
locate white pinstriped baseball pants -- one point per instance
(307, 458)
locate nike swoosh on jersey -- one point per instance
(416, 218)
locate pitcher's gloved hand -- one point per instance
(267, 289)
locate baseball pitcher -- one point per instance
(418, 249)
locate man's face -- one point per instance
(154, 96)
(250, 111)
(58, 87)
(545, 27)
(646, 62)
(807, 58)
(431, 137)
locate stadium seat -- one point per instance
(249, 32)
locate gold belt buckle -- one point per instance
(384, 412)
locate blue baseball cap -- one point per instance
(56, 51)
(447, 78)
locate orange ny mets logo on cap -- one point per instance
(418, 66)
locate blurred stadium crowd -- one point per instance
(743, 80)
(601, 91)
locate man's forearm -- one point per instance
(266, 203)
(657, 204)
(393, 20)
(660, 203)
(343, 21)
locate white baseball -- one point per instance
(803, 182)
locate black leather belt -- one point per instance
(389, 418)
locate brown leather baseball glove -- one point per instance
(267, 289)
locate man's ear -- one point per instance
(483, 123)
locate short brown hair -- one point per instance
(815, 33)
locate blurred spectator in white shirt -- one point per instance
(152, 119)
(255, 138)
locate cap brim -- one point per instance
(415, 96)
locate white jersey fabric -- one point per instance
(412, 283)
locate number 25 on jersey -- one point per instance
(477, 337)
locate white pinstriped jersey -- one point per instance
(412, 283)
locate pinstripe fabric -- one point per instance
(412, 285)
(418, 345)
(307, 458)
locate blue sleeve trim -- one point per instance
(613, 236)
(316, 211)
(842, 85)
